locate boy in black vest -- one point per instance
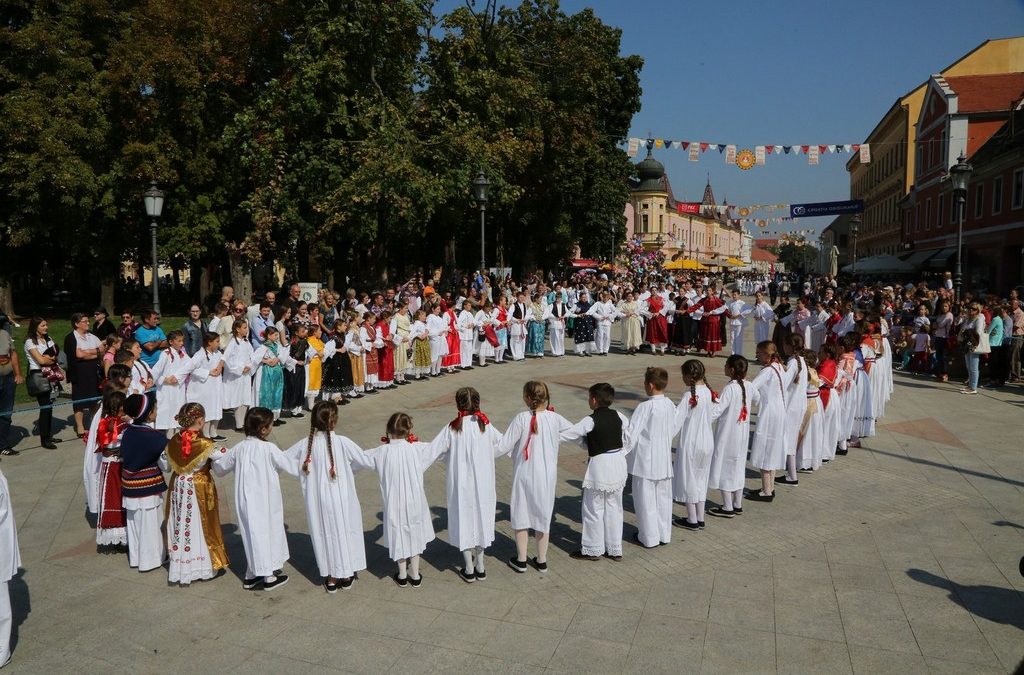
(603, 434)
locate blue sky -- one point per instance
(752, 72)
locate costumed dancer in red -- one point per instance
(386, 354)
(712, 308)
(111, 521)
(454, 357)
(657, 324)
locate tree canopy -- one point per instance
(329, 135)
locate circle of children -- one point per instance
(674, 452)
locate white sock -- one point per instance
(467, 560)
(479, 557)
(240, 416)
(737, 499)
(791, 467)
(691, 512)
(414, 567)
(402, 568)
(310, 400)
(726, 500)
(700, 511)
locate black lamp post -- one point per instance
(854, 231)
(154, 200)
(959, 175)
(480, 188)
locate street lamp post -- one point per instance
(959, 175)
(480, 189)
(154, 200)
(854, 230)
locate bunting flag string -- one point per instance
(747, 158)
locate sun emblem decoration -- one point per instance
(745, 159)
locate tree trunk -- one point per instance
(107, 296)
(241, 273)
(7, 297)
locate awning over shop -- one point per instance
(942, 259)
(683, 264)
(735, 262)
(917, 258)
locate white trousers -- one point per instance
(145, 538)
(602, 522)
(603, 338)
(517, 344)
(652, 502)
(466, 352)
(5, 622)
(557, 337)
(736, 338)
(584, 348)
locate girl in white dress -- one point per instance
(171, 376)
(811, 441)
(470, 443)
(796, 405)
(763, 317)
(467, 335)
(258, 502)
(437, 329)
(204, 383)
(532, 441)
(732, 434)
(236, 393)
(326, 462)
(768, 449)
(10, 562)
(400, 463)
(695, 446)
(486, 326)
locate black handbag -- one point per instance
(37, 384)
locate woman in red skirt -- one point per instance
(712, 308)
(454, 357)
(657, 325)
(386, 354)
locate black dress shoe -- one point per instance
(401, 581)
(278, 423)
(783, 480)
(758, 497)
(580, 555)
(685, 524)
(49, 444)
(468, 577)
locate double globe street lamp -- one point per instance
(480, 189)
(154, 200)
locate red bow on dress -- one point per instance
(533, 430)
(187, 437)
(470, 413)
(412, 438)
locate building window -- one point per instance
(938, 212)
(928, 214)
(661, 223)
(979, 200)
(1018, 189)
(917, 218)
(997, 195)
(643, 227)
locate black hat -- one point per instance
(102, 310)
(138, 406)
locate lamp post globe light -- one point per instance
(480, 189)
(854, 231)
(154, 201)
(959, 176)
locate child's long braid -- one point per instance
(693, 395)
(743, 390)
(328, 436)
(309, 451)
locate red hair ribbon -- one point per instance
(412, 438)
(108, 431)
(714, 396)
(743, 415)
(469, 413)
(385, 439)
(693, 400)
(533, 430)
(187, 437)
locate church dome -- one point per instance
(650, 172)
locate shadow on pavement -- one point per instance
(949, 467)
(999, 605)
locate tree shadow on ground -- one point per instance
(21, 605)
(999, 605)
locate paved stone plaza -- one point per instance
(901, 557)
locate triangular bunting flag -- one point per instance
(856, 147)
(658, 143)
(721, 148)
(787, 148)
(804, 149)
(704, 147)
(669, 144)
(832, 149)
(684, 144)
(768, 149)
(822, 149)
(846, 147)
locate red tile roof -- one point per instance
(987, 93)
(763, 255)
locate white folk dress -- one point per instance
(864, 417)
(92, 463)
(694, 447)
(768, 449)
(763, 317)
(10, 561)
(203, 388)
(469, 482)
(732, 435)
(237, 387)
(811, 444)
(170, 397)
(437, 328)
(534, 467)
(258, 502)
(796, 401)
(407, 523)
(332, 506)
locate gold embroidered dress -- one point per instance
(195, 542)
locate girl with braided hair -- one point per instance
(796, 404)
(256, 463)
(768, 449)
(324, 463)
(532, 441)
(811, 440)
(732, 433)
(400, 463)
(470, 443)
(695, 446)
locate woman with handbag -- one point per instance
(975, 341)
(43, 376)
(83, 349)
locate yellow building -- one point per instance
(655, 217)
(888, 178)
